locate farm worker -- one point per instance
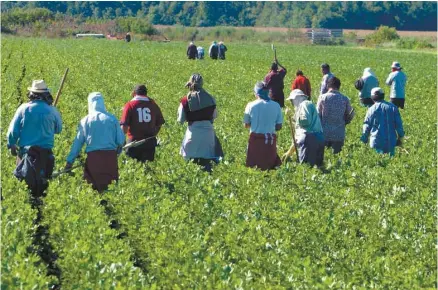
(274, 81)
(364, 84)
(221, 50)
(198, 109)
(397, 81)
(141, 119)
(383, 123)
(302, 83)
(263, 117)
(213, 50)
(128, 37)
(308, 129)
(192, 51)
(101, 132)
(326, 75)
(33, 129)
(335, 112)
(200, 52)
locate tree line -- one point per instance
(348, 15)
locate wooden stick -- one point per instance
(60, 88)
(292, 130)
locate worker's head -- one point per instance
(296, 97)
(195, 82)
(140, 90)
(40, 91)
(377, 94)
(299, 73)
(96, 103)
(334, 83)
(396, 66)
(325, 68)
(261, 91)
(274, 66)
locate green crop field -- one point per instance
(368, 221)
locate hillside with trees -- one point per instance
(420, 16)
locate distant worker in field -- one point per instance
(302, 83)
(198, 109)
(397, 81)
(192, 51)
(364, 84)
(326, 76)
(274, 81)
(200, 52)
(141, 121)
(335, 112)
(104, 138)
(308, 130)
(33, 129)
(128, 37)
(263, 117)
(221, 50)
(213, 50)
(383, 123)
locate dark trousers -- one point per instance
(335, 145)
(144, 152)
(311, 149)
(400, 103)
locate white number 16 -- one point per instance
(144, 115)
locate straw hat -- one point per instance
(38, 86)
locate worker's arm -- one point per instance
(124, 128)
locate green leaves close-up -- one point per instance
(366, 221)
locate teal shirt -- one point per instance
(34, 124)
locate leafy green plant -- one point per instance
(368, 221)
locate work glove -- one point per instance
(364, 139)
(13, 150)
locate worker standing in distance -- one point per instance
(263, 117)
(141, 120)
(364, 84)
(397, 81)
(192, 51)
(383, 123)
(302, 83)
(274, 81)
(326, 76)
(335, 112)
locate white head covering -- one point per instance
(297, 97)
(95, 103)
(368, 72)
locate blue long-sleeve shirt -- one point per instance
(384, 124)
(34, 124)
(397, 81)
(100, 130)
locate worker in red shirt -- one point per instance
(142, 119)
(274, 81)
(302, 83)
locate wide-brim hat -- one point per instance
(297, 93)
(38, 86)
(396, 65)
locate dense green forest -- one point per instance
(348, 15)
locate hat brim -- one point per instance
(30, 89)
